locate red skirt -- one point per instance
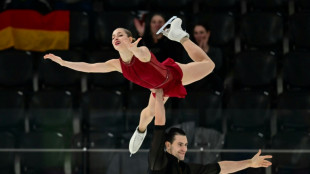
(173, 87)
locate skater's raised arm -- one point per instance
(142, 53)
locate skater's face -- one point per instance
(178, 148)
(201, 34)
(119, 37)
(157, 21)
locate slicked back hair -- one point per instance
(170, 136)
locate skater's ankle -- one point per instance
(141, 131)
(184, 39)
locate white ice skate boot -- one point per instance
(175, 32)
(136, 141)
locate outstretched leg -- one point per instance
(176, 33)
(202, 65)
(147, 114)
(146, 117)
(194, 51)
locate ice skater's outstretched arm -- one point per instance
(257, 161)
(108, 66)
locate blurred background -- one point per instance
(54, 120)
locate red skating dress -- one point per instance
(153, 75)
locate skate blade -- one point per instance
(164, 26)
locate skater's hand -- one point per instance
(132, 46)
(260, 161)
(157, 91)
(160, 92)
(140, 27)
(54, 58)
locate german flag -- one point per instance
(31, 31)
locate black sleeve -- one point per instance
(157, 155)
(205, 169)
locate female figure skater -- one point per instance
(140, 66)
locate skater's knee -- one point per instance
(211, 65)
(208, 63)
